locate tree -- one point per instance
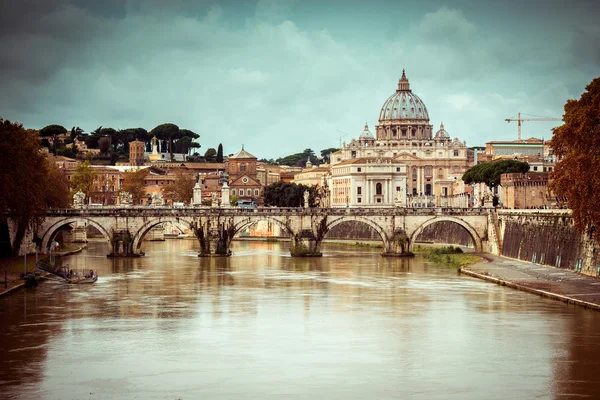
(326, 153)
(135, 184)
(220, 153)
(29, 183)
(576, 145)
(490, 172)
(182, 189)
(167, 132)
(210, 155)
(83, 179)
(286, 194)
(53, 131)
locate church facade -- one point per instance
(423, 166)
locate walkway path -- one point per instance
(551, 282)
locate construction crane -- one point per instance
(519, 120)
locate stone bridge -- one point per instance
(125, 227)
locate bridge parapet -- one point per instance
(143, 211)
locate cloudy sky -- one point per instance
(282, 76)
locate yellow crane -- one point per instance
(519, 120)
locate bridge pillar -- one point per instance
(215, 241)
(121, 242)
(304, 244)
(397, 246)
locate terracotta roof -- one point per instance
(242, 154)
(191, 165)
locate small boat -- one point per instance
(67, 274)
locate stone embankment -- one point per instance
(551, 282)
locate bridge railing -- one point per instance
(133, 211)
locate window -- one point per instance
(379, 200)
(427, 171)
(353, 154)
(414, 173)
(359, 200)
(242, 167)
(378, 189)
(455, 169)
(440, 173)
(455, 153)
(241, 192)
(358, 169)
(233, 192)
(397, 188)
(535, 168)
(403, 133)
(397, 169)
(359, 190)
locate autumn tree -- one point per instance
(134, 183)
(29, 183)
(182, 189)
(83, 179)
(576, 144)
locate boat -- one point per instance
(66, 274)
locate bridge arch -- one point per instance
(246, 222)
(138, 235)
(472, 232)
(376, 227)
(50, 233)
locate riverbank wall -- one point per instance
(546, 237)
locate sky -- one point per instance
(282, 76)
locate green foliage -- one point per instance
(210, 155)
(299, 159)
(490, 172)
(52, 131)
(167, 132)
(286, 194)
(220, 153)
(233, 200)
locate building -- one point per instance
(368, 182)
(267, 174)
(405, 137)
(312, 176)
(243, 180)
(136, 153)
(528, 190)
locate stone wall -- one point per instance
(352, 230)
(445, 232)
(548, 238)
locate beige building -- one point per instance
(405, 137)
(368, 182)
(312, 176)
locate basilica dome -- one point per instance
(403, 104)
(366, 134)
(442, 134)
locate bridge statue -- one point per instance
(78, 199)
(125, 199)
(306, 199)
(156, 199)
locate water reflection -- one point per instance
(263, 324)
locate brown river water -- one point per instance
(263, 325)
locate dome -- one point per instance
(442, 134)
(366, 134)
(403, 104)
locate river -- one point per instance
(261, 324)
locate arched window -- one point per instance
(414, 173)
(378, 188)
(242, 167)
